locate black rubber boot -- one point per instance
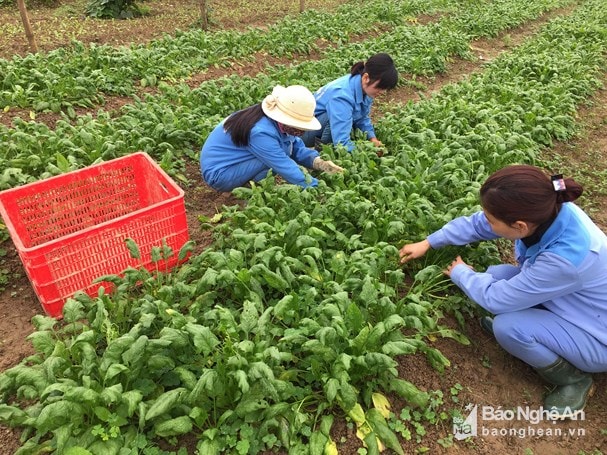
(487, 325)
(573, 389)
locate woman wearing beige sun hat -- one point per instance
(263, 137)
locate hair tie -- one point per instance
(558, 183)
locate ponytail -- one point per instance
(572, 191)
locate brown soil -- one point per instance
(488, 375)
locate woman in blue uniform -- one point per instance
(551, 309)
(263, 137)
(345, 103)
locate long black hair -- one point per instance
(380, 67)
(240, 123)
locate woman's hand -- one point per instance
(326, 166)
(413, 251)
(379, 145)
(376, 142)
(457, 261)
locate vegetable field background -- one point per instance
(293, 321)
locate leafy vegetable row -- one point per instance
(297, 312)
(174, 123)
(67, 78)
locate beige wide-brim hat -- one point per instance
(292, 106)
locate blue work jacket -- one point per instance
(347, 107)
(221, 159)
(566, 271)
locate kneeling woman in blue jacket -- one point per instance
(551, 309)
(345, 104)
(250, 142)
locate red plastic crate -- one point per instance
(71, 229)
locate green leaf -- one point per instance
(112, 394)
(394, 348)
(114, 351)
(56, 414)
(283, 306)
(165, 402)
(71, 113)
(44, 322)
(62, 435)
(393, 321)
(327, 335)
(132, 398)
(62, 162)
(209, 447)
(73, 311)
(207, 382)
(77, 451)
(381, 429)
(156, 254)
(396, 229)
(375, 335)
(161, 363)
(185, 250)
(305, 241)
(204, 339)
(134, 354)
(273, 279)
(30, 375)
(249, 316)
(133, 248)
(110, 447)
(209, 279)
(114, 370)
(11, 416)
(437, 359)
(326, 423)
(409, 392)
(357, 414)
(451, 333)
(174, 427)
(177, 338)
(102, 413)
(354, 318)
(368, 294)
(84, 395)
(242, 446)
(42, 341)
(187, 378)
(261, 370)
(317, 443)
(331, 389)
(247, 408)
(371, 443)
(359, 342)
(241, 379)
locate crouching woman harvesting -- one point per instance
(550, 309)
(263, 137)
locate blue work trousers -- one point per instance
(324, 133)
(539, 337)
(238, 175)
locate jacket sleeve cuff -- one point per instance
(458, 272)
(437, 240)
